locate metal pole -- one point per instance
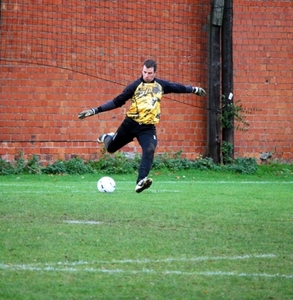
(227, 70)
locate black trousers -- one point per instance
(146, 136)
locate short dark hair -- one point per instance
(150, 63)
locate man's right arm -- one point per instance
(118, 101)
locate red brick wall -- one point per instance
(263, 65)
(44, 86)
(61, 59)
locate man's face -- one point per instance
(148, 74)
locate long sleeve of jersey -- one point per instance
(171, 87)
(145, 99)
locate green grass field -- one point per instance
(192, 235)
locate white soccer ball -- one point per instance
(106, 185)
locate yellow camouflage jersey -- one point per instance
(145, 105)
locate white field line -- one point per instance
(54, 189)
(181, 181)
(167, 260)
(53, 192)
(143, 271)
(146, 271)
(45, 192)
(82, 222)
(141, 261)
(75, 267)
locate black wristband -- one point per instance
(98, 110)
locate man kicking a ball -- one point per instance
(144, 113)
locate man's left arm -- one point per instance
(178, 88)
(198, 91)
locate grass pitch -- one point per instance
(192, 235)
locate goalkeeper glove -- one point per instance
(86, 113)
(198, 91)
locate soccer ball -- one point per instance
(106, 185)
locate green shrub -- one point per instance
(72, 166)
(78, 166)
(171, 161)
(244, 165)
(6, 168)
(120, 163)
(117, 163)
(19, 166)
(33, 166)
(206, 164)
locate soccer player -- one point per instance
(141, 118)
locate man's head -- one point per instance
(149, 70)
